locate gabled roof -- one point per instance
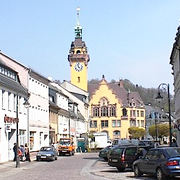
(121, 93)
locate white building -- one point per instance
(12, 111)
(175, 62)
(72, 122)
(38, 110)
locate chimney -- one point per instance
(121, 83)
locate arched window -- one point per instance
(96, 111)
(78, 52)
(124, 112)
(112, 111)
(116, 134)
(104, 111)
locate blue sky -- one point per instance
(128, 39)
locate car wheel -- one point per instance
(37, 159)
(137, 172)
(56, 158)
(120, 169)
(160, 175)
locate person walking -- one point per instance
(15, 151)
(174, 143)
(27, 153)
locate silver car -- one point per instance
(48, 153)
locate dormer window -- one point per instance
(78, 52)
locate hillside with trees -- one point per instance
(148, 95)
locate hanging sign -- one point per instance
(10, 119)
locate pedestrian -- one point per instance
(174, 143)
(22, 158)
(27, 153)
(15, 151)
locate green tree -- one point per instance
(136, 132)
(162, 129)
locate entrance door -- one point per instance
(11, 141)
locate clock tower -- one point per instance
(78, 58)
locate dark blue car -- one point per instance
(163, 162)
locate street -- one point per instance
(85, 166)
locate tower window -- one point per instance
(78, 52)
(78, 79)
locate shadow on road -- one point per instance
(91, 158)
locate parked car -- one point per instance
(122, 157)
(47, 153)
(104, 152)
(162, 162)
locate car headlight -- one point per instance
(38, 154)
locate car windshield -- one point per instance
(173, 152)
(46, 149)
(66, 143)
(121, 142)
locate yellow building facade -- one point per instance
(113, 110)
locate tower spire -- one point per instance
(78, 12)
(78, 28)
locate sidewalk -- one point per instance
(7, 166)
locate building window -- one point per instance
(138, 123)
(116, 123)
(130, 113)
(3, 99)
(142, 113)
(132, 123)
(9, 101)
(93, 124)
(137, 113)
(112, 111)
(134, 113)
(104, 123)
(96, 111)
(124, 112)
(14, 102)
(104, 111)
(78, 79)
(116, 134)
(142, 123)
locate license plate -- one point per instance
(64, 151)
(114, 160)
(43, 156)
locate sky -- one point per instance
(126, 39)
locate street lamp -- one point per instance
(27, 105)
(17, 131)
(164, 86)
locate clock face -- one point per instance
(78, 66)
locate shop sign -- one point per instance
(10, 119)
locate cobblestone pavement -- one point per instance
(82, 166)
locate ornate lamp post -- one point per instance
(27, 105)
(164, 87)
